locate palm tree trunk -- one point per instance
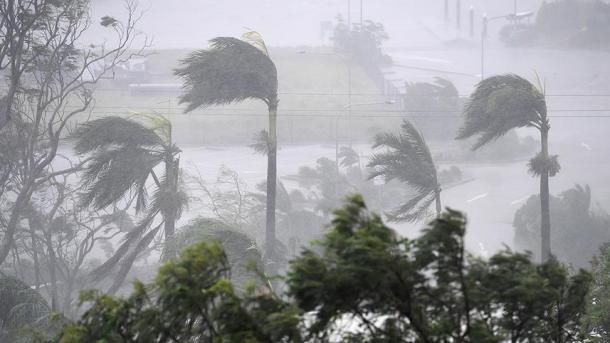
(439, 208)
(271, 180)
(169, 215)
(545, 213)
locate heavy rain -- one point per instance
(304, 171)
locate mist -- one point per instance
(266, 150)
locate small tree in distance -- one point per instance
(408, 160)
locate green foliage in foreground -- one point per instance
(367, 285)
(597, 318)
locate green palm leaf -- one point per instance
(407, 159)
(499, 104)
(113, 131)
(241, 250)
(20, 306)
(230, 71)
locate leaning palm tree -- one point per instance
(500, 104)
(124, 155)
(408, 159)
(230, 71)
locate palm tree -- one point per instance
(408, 159)
(124, 155)
(20, 306)
(230, 71)
(504, 102)
(243, 254)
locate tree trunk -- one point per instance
(271, 181)
(9, 234)
(128, 261)
(169, 217)
(439, 208)
(52, 268)
(545, 213)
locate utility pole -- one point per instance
(483, 37)
(361, 16)
(471, 11)
(349, 16)
(458, 15)
(349, 100)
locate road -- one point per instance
(490, 200)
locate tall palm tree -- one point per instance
(124, 155)
(504, 102)
(230, 71)
(408, 159)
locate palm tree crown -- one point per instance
(124, 155)
(501, 103)
(407, 159)
(232, 70)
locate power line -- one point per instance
(354, 115)
(173, 109)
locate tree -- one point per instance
(123, 156)
(392, 289)
(366, 284)
(597, 318)
(50, 81)
(243, 255)
(20, 307)
(233, 70)
(194, 301)
(500, 104)
(408, 159)
(578, 229)
(429, 103)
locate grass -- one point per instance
(313, 86)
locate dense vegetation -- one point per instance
(366, 285)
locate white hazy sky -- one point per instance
(191, 23)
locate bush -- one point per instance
(387, 288)
(576, 231)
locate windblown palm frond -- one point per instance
(20, 305)
(261, 143)
(538, 165)
(348, 157)
(241, 250)
(407, 159)
(499, 104)
(124, 154)
(111, 174)
(169, 198)
(113, 131)
(231, 70)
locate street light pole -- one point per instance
(349, 16)
(486, 22)
(361, 16)
(483, 36)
